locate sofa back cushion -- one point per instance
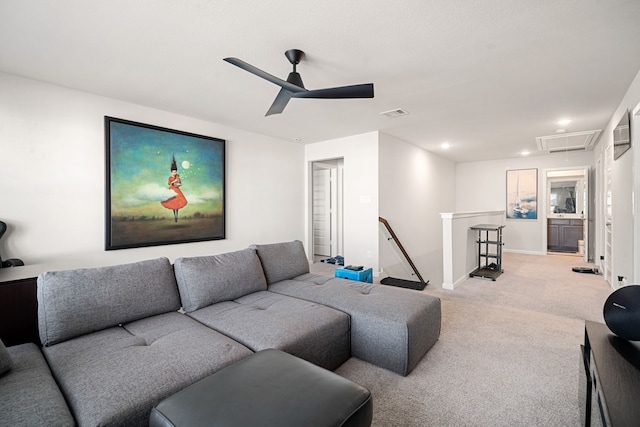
(77, 302)
(206, 280)
(282, 261)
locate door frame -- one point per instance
(586, 216)
(337, 167)
(607, 223)
(635, 142)
(323, 196)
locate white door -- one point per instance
(608, 202)
(585, 214)
(322, 212)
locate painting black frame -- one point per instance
(139, 158)
(622, 136)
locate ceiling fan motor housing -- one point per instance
(294, 56)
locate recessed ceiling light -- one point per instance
(561, 130)
(445, 145)
(525, 153)
(564, 121)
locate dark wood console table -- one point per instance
(19, 312)
(609, 379)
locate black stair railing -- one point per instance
(400, 282)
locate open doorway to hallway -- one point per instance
(327, 208)
(567, 213)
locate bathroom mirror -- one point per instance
(563, 197)
(566, 193)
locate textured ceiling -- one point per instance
(486, 76)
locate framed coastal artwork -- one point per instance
(163, 186)
(522, 194)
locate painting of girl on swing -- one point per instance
(144, 207)
(178, 201)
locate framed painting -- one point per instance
(622, 136)
(163, 186)
(522, 194)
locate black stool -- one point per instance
(270, 389)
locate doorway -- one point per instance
(326, 208)
(567, 214)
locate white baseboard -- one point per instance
(517, 251)
(452, 286)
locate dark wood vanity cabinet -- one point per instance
(563, 234)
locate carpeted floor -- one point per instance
(508, 353)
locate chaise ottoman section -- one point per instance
(228, 293)
(29, 396)
(392, 328)
(269, 389)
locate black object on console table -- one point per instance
(13, 262)
(610, 380)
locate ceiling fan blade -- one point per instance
(281, 101)
(263, 74)
(355, 91)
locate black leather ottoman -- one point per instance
(269, 388)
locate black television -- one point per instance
(621, 136)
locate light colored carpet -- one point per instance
(508, 353)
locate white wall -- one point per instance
(52, 152)
(481, 186)
(625, 226)
(360, 154)
(415, 186)
(460, 244)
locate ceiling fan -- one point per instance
(294, 88)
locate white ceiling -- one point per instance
(487, 76)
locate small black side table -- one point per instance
(489, 251)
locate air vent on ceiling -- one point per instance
(397, 112)
(575, 141)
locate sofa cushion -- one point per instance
(282, 261)
(76, 302)
(5, 359)
(29, 395)
(390, 327)
(116, 375)
(261, 320)
(203, 281)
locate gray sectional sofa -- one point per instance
(117, 340)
